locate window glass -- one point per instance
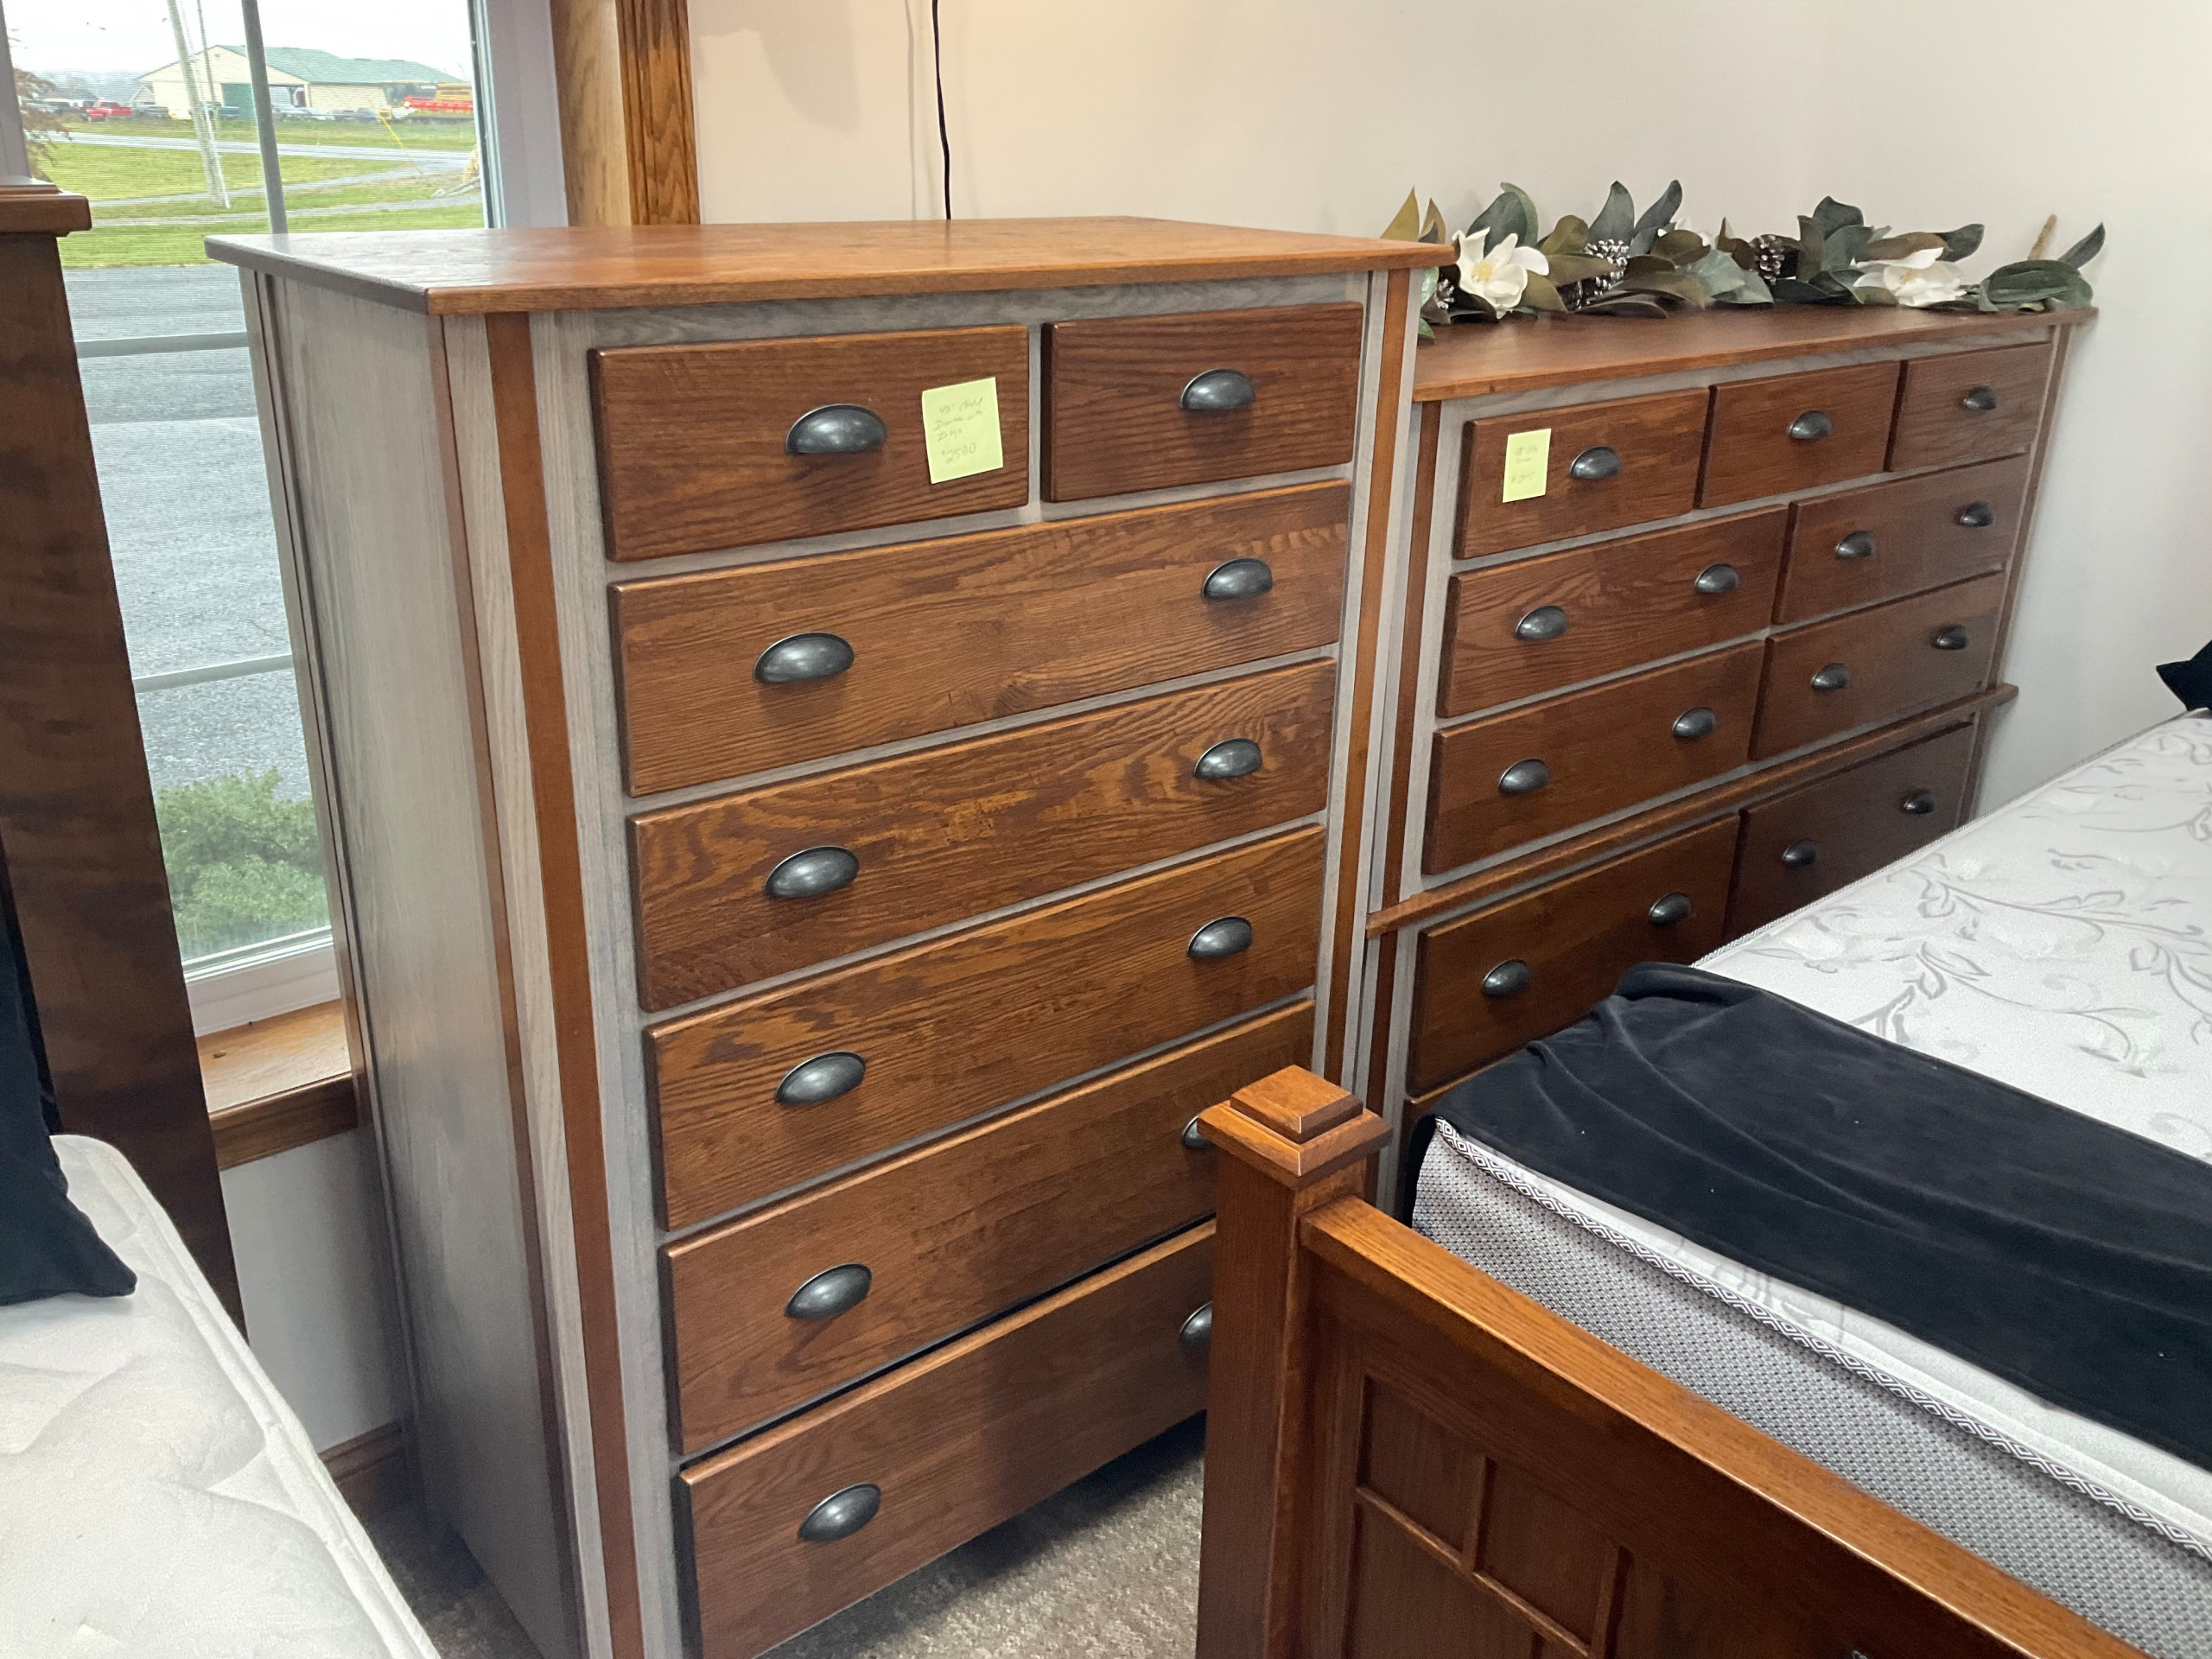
(373, 115)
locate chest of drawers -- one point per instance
(802, 868)
(1738, 651)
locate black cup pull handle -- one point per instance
(1833, 678)
(1694, 723)
(1980, 400)
(1802, 854)
(1670, 909)
(1917, 804)
(817, 870)
(1719, 579)
(1812, 426)
(1523, 778)
(1197, 1334)
(1859, 544)
(824, 1077)
(1233, 757)
(831, 1292)
(1598, 460)
(1218, 390)
(1510, 978)
(1545, 622)
(841, 1514)
(1239, 579)
(1226, 936)
(1977, 515)
(836, 430)
(1951, 638)
(804, 657)
(1194, 1137)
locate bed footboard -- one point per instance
(1405, 1458)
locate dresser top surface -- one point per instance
(1479, 360)
(448, 273)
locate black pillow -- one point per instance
(2191, 681)
(47, 1246)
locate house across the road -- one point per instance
(300, 79)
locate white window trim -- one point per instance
(239, 987)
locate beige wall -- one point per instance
(1318, 114)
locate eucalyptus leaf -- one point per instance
(1638, 264)
(1845, 247)
(1896, 247)
(1787, 290)
(1616, 219)
(1754, 291)
(1570, 235)
(1625, 305)
(1676, 284)
(1661, 214)
(1832, 289)
(1506, 216)
(1811, 239)
(1719, 273)
(2084, 251)
(1873, 294)
(1833, 215)
(1961, 243)
(2033, 282)
(1405, 223)
(1578, 267)
(1679, 247)
(1433, 228)
(1541, 294)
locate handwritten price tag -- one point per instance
(960, 428)
(1527, 456)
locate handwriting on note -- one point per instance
(960, 429)
(1527, 456)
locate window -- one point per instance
(148, 108)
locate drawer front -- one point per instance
(1280, 392)
(1588, 753)
(952, 1028)
(1969, 406)
(958, 830)
(1888, 539)
(1488, 982)
(956, 1233)
(1637, 461)
(1827, 834)
(954, 1444)
(937, 634)
(1798, 431)
(1519, 630)
(696, 441)
(1874, 665)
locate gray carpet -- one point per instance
(1108, 1569)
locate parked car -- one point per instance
(300, 112)
(106, 109)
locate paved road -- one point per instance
(453, 159)
(178, 447)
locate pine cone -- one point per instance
(1591, 289)
(1777, 257)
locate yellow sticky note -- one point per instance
(960, 428)
(1527, 454)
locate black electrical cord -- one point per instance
(943, 132)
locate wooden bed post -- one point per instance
(1290, 1143)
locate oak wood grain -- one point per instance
(1113, 422)
(1627, 602)
(965, 629)
(269, 1124)
(692, 438)
(955, 831)
(1607, 749)
(1479, 362)
(958, 1441)
(1765, 782)
(459, 273)
(1894, 664)
(1658, 440)
(954, 1232)
(952, 1028)
(77, 838)
(1918, 539)
(270, 1057)
(1937, 427)
(1855, 822)
(1749, 451)
(1577, 936)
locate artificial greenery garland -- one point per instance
(1624, 262)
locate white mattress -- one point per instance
(157, 1496)
(2062, 944)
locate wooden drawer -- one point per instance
(951, 633)
(1618, 604)
(1900, 537)
(1116, 417)
(1755, 448)
(1574, 939)
(1969, 406)
(955, 1233)
(1827, 834)
(1654, 440)
(1889, 661)
(693, 440)
(1604, 749)
(955, 831)
(954, 1444)
(952, 1028)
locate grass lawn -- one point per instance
(104, 173)
(181, 244)
(412, 135)
(250, 213)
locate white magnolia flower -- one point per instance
(1499, 277)
(1921, 278)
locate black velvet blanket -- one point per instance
(2070, 1258)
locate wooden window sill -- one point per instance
(278, 1083)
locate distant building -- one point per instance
(300, 77)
